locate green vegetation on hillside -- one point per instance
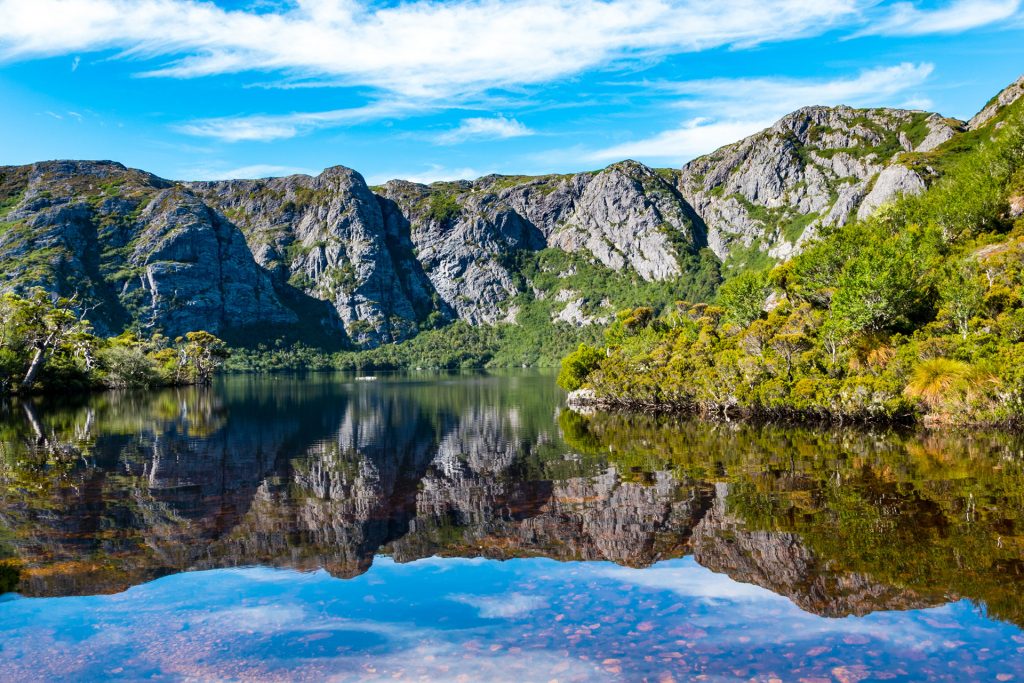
(915, 311)
(549, 281)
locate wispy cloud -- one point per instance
(906, 19)
(74, 64)
(504, 606)
(497, 128)
(432, 174)
(727, 110)
(775, 96)
(692, 581)
(417, 48)
(693, 138)
(268, 127)
(243, 172)
(429, 55)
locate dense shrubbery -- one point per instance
(45, 346)
(916, 310)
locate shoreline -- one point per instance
(586, 401)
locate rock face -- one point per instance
(334, 261)
(324, 253)
(1005, 98)
(770, 192)
(134, 248)
(626, 217)
(892, 182)
(326, 236)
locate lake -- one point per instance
(468, 527)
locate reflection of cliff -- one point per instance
(338, 502)
(782, 563)
(472, 503)
(311, 475)
(116, 503)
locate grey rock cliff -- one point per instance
(892, 182)
(1005, 98)
(132, 246)
(327, 237)
(771, 191)
(626, 217)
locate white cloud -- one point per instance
(695, 137)
(741, 107)
(74, 63)
(415, 49)
(905, 19)
(692, 581)
(504, 606)
(777, 96)
(432, 174)
(497, 128)
(245, 172)
(268, 127)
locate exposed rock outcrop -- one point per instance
(133, 247)
(627, 216)
(327, 237)
(814, 167)
(1005, 98)
(891, 183)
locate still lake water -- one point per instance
(469, 528)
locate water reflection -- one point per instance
(320, 473)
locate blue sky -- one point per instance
(436, 90)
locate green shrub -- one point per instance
(443, 208)
(577, 365)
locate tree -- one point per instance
(577, 365)
(202, 354)
(963, 294)
(743, 297)
(42, 326)
(128, 365)
(879, 288)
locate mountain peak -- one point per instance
(1005, 98)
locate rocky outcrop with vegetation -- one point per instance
(332, 262)
(820, 166)
(911, 312)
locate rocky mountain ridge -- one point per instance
(331, 260)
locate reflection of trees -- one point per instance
(318, 474)
(938, 514)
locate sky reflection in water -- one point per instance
(467, 528)
(533, 619)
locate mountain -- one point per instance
(329, 260)
(818, 166)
